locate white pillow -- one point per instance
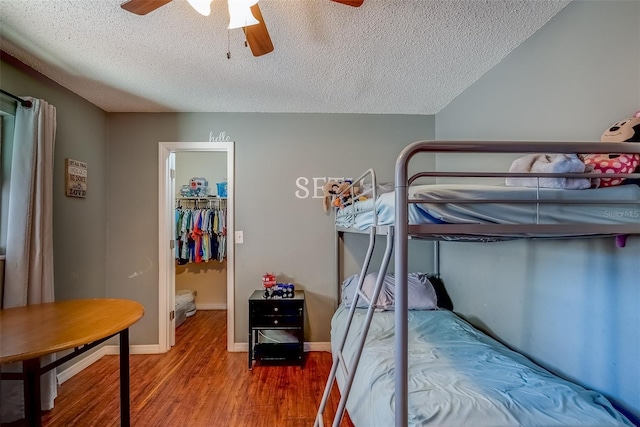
(421, 294)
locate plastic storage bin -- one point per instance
(222, 189)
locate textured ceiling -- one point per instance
(388, 56)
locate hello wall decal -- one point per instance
(221, 137)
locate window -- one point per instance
(7, 120)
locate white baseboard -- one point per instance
(213, 306)
(135, 349)
(81, 364)
(317, 346)
(89, 360)
(240, 347)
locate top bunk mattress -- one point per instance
(602, 210)
(459, 377)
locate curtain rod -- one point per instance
(25, 103)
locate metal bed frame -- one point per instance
(398, 234)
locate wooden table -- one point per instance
(33, 331)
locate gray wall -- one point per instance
(283, 233)
(573, 306)
(78, 224)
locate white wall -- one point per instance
(573, 306)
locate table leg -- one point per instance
(32, 405)
(125, 415)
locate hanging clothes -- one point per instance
(200, 230)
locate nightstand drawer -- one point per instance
(276, 308)
(276, 321)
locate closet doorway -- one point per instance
(169, 194)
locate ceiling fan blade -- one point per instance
(354, 3)
(142, 7)
(257, 35)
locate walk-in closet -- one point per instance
(201, 233)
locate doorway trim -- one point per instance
(166, 233)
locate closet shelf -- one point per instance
(202, 198)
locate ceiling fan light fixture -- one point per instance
(203, 7)
(240, 14)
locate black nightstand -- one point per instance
(286, 314)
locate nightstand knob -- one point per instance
(275, 309)
(275, 322)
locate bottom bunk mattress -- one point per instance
(185, 305)
(459, 377)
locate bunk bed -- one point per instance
(455, 374)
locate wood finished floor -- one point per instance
(198, 383)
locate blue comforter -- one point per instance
(460, 377)
(361, 215)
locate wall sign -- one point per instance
(312, 188)
(75, 178)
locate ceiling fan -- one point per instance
(256, 34)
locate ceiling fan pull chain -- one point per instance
(228, 45)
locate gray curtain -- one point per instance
(29, 254)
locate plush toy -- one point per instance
(331, 190)
(336, 194)
(627, 130)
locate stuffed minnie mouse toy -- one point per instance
(627, 130)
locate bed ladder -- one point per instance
(349, 371)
